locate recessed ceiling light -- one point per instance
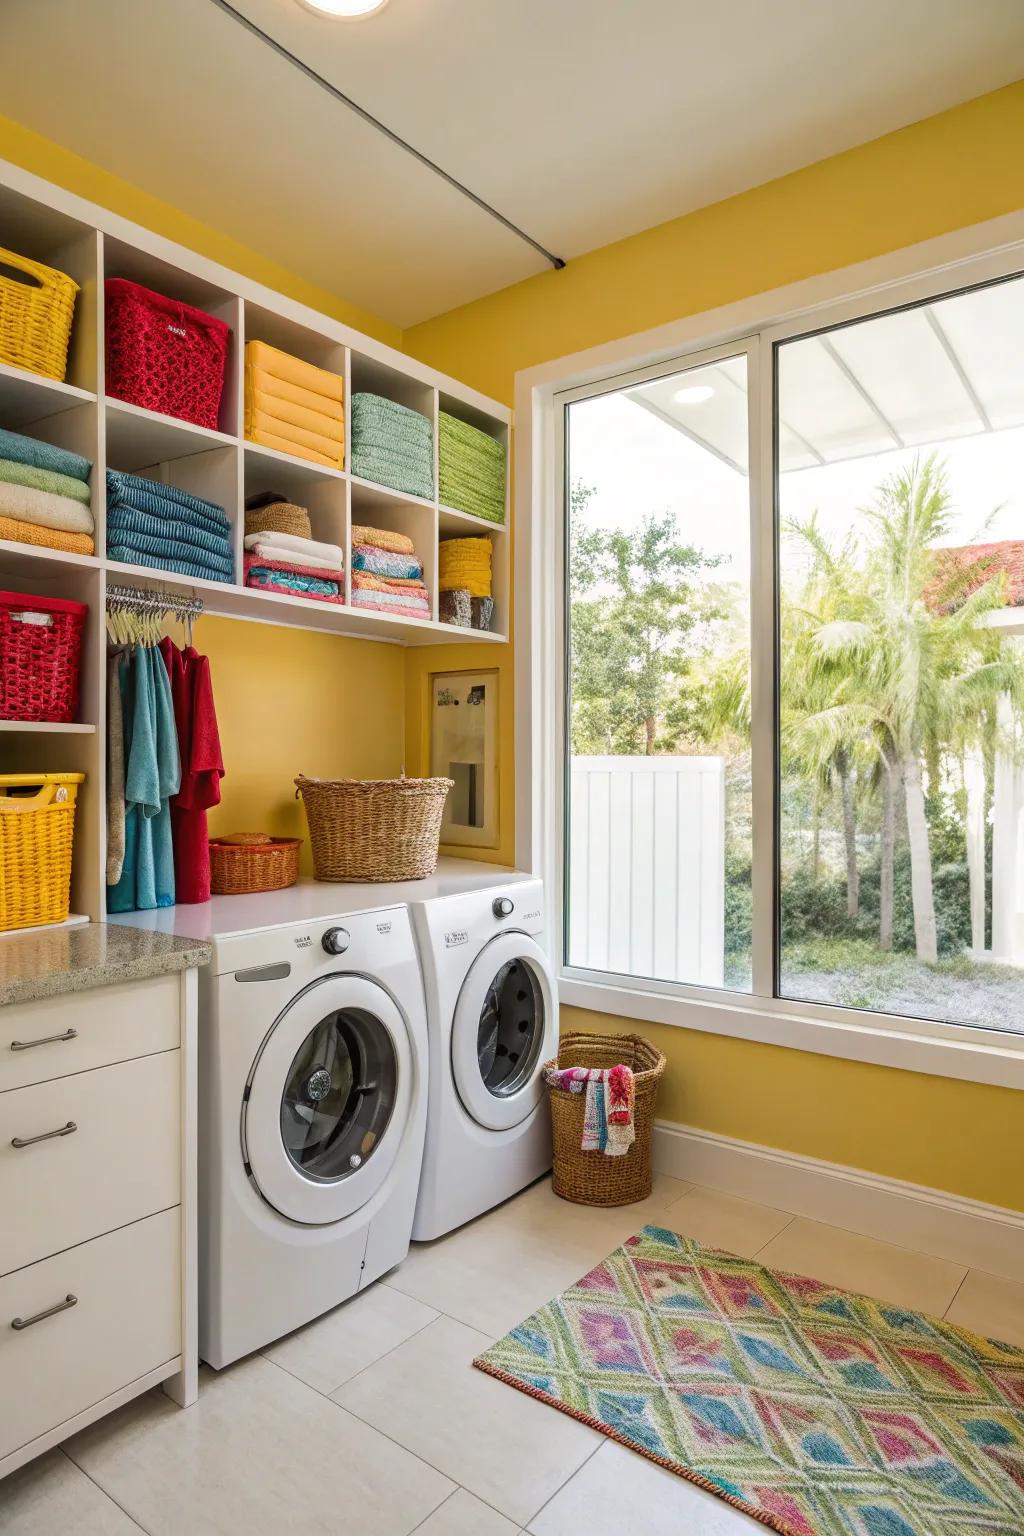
(693, 394)
(345, 9)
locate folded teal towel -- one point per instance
(163, 500)
(152, 776)
(291, 581)
(365, 557)
(131, 555)
(28, 450)
(128, 525)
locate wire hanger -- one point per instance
(135, 614)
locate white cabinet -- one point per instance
(97, 1195)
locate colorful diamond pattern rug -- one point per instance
(816, 1411)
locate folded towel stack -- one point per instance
(287, 562)
(44, 495)
(386, 574)
(464, 582)
(392, 445)
(471, 469)
(149, 523)
(293, 406)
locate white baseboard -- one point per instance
(988, 1237)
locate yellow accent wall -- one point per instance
(291, 701)
(938, 175)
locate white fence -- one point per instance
(647, 867)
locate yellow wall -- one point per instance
(938, 175)
(949, 171)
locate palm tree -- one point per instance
(917, 669)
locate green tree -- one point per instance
(636, 611)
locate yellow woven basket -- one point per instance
(36, 311)
(36, 834)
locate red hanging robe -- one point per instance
(202, 768)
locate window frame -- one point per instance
(754, 326)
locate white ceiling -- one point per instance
(581, 120)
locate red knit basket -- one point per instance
(40, 646)
(163, 354)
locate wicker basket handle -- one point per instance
(25, 805)
(29, 272)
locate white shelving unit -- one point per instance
(91, 244)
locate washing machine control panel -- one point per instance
(503, 906)
(335, 941)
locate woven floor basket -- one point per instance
(239, 867)
(593, 1178)
(36, 311)
(374, 829)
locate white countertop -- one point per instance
(315, 900)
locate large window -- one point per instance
(848, 832)
(901, 678)
(658, 719)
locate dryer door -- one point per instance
(328, 1100)
(505, 1027)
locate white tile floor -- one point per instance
(372, 1420)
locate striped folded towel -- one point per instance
(172, 544)
(29, 450)
(129, 524)
(153, 496)
(130, 555)
(471, 469)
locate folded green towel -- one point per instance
(471, 469)
(392, 445)
(29, 450)
(36, 479)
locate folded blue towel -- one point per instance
(185, 567)
(129, 524)
(291, 581)
(383, 563)
(28, 450)
(164, 500)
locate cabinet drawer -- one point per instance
(108, 1024)
(122, 1160)
(126, 1321)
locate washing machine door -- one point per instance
(505, 1027)
(328, 1100)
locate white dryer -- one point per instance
(312, 1109)
(492, 1021)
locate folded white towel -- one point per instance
(45, 509)
(294, 545)
(281, 555)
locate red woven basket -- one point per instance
(163, 354)
(40, 646)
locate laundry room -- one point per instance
(511, 741)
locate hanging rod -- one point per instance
(154, 600)
(389, 133)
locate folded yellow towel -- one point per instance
(296, 440)
(289, 415)
(465, 564)
(293, 370)
(383, 538)
(46, 538)
(270, 439)
(259, 383)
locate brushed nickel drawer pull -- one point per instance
(61, 1306)
(26, 1045)
(28, 1141)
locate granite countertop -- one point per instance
(55, 961)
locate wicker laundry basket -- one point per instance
(37, 828)
(36, 310)
(246, 862)
(593, 1178)
(374, 829)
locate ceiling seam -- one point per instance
(389, 133)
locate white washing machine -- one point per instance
(312, 1111)
(492, 1021)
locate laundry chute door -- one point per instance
(505, 1027)
(328, 1100)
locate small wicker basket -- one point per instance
(374, 829)
(245, 862)
(593, 1178)
(37, 829)
(36, 310)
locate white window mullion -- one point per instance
(760, 363)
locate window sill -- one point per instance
(909, 1045)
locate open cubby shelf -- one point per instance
(222, 466)
(90, 244)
